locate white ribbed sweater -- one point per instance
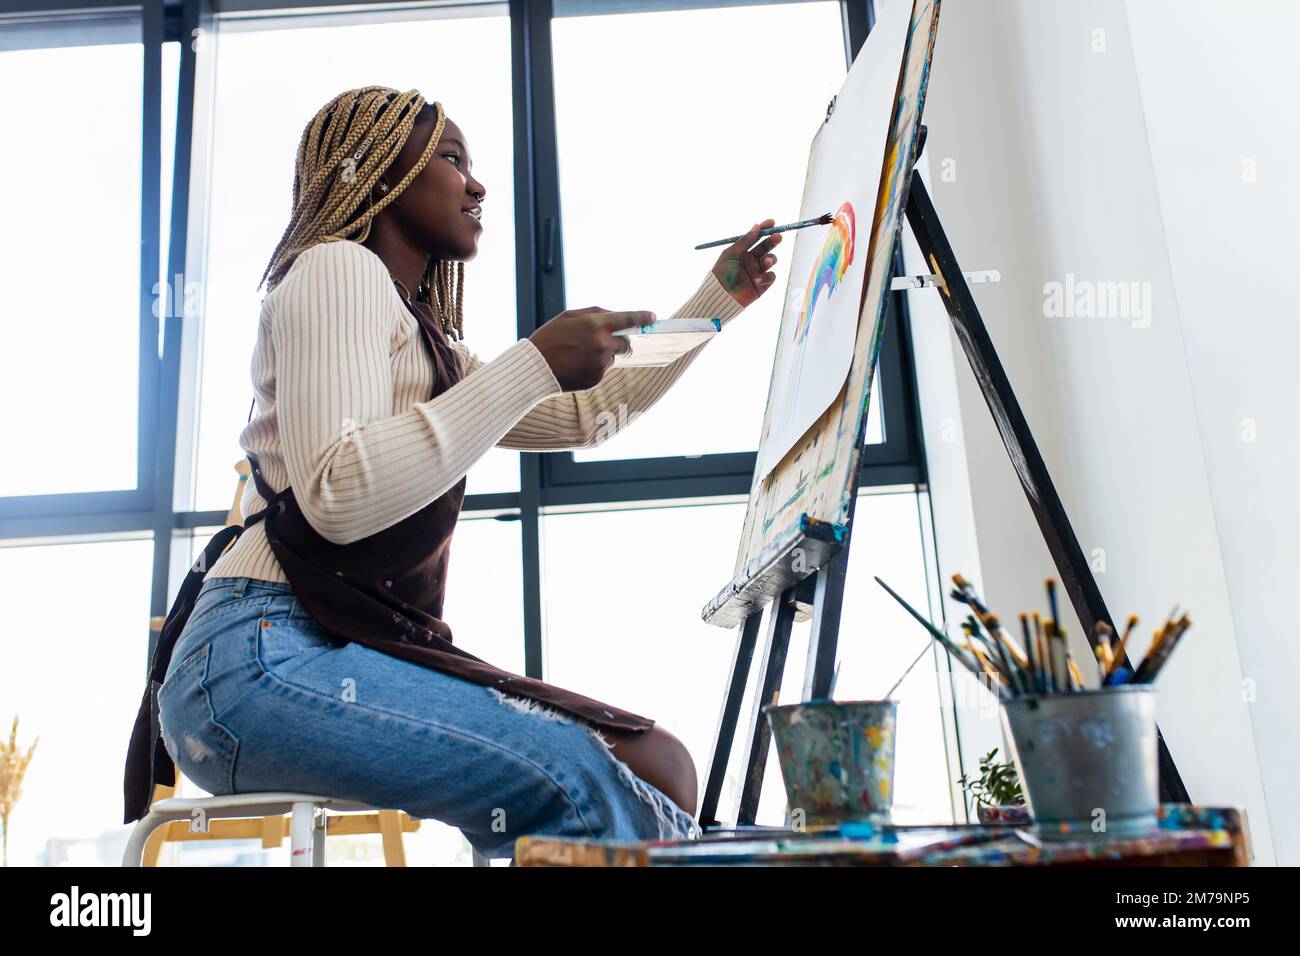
(340, 375)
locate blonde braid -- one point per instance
(361, 130)
(446, 295)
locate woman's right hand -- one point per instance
(580, 344)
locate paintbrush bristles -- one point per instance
(1161, 647)
(1103, 645)
(1045, 665)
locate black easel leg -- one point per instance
(1053, 523)
(775, 647)
(828, 601)
(746, 639)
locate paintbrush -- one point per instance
(1051, 601)
(1157, 640)
(1160, 650)
(994, 653)
(1076, 678)
(1044, 655)
(1044, 635)
(997, 682)
(1166, 651)
(965, 593)
(962, 657)
(1099, 651)
(998, 642)
(1032, 667)
(986, 668)
(1060, 663)
(1117, 655)
(898, 683)
(1016, 657)
(969, 593)
(989, 622)
(770, 230)
(972, 600)
(1103, 645)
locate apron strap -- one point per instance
(147, 761)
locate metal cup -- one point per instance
(837, 758)
(1087, 760)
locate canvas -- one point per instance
(799, 508)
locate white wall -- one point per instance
(1106, 141)
(1219, 97)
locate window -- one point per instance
(604, 122)
(70, 296)
(640, 143)
(484, 599)
(878, 641)
(624, 590)
(272, 76)
(72, 673)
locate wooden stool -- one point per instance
(268, 816)
(265, 816)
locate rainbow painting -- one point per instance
(829, 267)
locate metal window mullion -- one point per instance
(171, 556)
(536, 201)
(147, 411)
(156, 415)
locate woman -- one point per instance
(313, 658)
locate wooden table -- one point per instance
(1186, 836)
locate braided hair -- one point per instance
(344, 150)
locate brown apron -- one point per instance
(384, 592)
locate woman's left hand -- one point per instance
(745, 272)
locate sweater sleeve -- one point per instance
(584, 419)
(356, 464)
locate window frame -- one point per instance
(129, 508)
(161, 504)
(564, 480)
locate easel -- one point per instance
(824, 588)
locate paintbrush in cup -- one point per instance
(963, 657)
(1114, 673)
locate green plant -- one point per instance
(998, 785)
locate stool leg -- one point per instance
(318, 839)
(302, 837)
(153, 847)
(134, 853)
(390, 830)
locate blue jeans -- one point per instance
(260, 697)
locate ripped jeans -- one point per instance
(260, 697)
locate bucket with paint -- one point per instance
(837, 758)
(1087, 760)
